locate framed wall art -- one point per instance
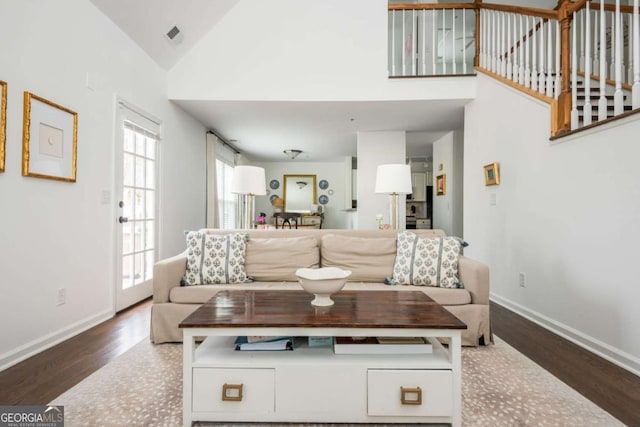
(3, 122)
(49, 140)
(441, 185)
(492, 174)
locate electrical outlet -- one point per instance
(522, 280)
(62, 296)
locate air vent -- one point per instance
(175, 35)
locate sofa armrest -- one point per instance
(475, 277)
(166, 275)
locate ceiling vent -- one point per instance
(174, 35)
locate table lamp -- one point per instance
(394, 179)
(248, 181)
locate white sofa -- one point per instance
(273, 256)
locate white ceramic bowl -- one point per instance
(322, 282)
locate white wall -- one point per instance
(329, 50)
(58, 234)
(333, 172)
(447, 208)
(374, 149)
(566, 215)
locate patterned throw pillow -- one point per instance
(215, 259)
(426, 261)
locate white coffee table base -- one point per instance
(316, 385)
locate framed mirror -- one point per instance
(299, 193)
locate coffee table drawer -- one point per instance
(234, 390)
(425, 392)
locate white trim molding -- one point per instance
(34, 347)
(604, 350)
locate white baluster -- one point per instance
(516, 49)
(587, 110)
(434, 42)
(612, 61)
(618, 97)
(483, 41)
(635, 97)
(602, 101)
(503, 45)
(424, 42)
(581, 35)
(557, 87)
(527, 69)
(574, 76)
(541, 77)
(414, 30)
(493, 41)
(549, 59)
(453, 40)
(393, 43)
(521, 69)
(629, 68)
(596, 52)
(464, 41)
(444, 43)
(510, 49)
(534, 56)
(404, 40)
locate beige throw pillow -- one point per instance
(370, 259)
(277, 259)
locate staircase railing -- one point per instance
(538, 51)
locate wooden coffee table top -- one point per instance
(352, 309)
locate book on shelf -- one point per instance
(243, 343)
(381, 345)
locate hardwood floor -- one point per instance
(612, 388)
(43, 377)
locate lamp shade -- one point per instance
(393, 179)
(249, 180)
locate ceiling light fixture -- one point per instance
(292, 153)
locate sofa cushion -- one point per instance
(213, 259)
(277, 259)
(370, 259)
(201, 294)
(426, 261)
(443, 296)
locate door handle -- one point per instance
(123, 219)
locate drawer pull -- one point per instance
(411, 396)
(232, 392)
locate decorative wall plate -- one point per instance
(274, 184)
(323, 184)
(330, 192)
(323, 200)
(273, 197)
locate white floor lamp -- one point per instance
(394, 179)
(249, 181)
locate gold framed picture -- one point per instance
(49, 140)
(441, 185)
(492, 174)
(3, 122)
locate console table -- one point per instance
(312, 384)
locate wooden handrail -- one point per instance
(420, 6)
(530, 11)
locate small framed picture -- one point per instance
(441, 185)
(49, 140)
(492, 174)
(3, 122)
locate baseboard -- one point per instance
(34, 347)
(604, 350)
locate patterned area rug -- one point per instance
(500, 387)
